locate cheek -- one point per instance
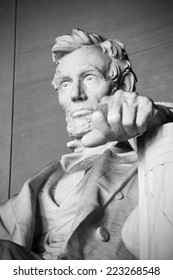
(63, 99)
(102, 91)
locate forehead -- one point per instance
(80, 58)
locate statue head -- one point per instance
(88, 67)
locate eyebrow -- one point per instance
(85, 69)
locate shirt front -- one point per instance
(58, 209)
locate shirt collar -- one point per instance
(80, 152)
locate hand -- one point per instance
(120, 117)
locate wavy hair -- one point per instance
(115, 49)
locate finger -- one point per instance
(145, 114)
(114, 119)
(93, 138)
(129, 119)
(104, 109)
(100, 123)
(104, 100)
(97, 136)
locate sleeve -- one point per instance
(166, 110)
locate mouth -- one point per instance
(82, 113)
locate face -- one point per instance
(81, 81)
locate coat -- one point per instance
(103, 209)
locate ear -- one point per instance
(128, 82)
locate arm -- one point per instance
(126, 115)
(166, 111)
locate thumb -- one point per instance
(93, 138)
(98, 135)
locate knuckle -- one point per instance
(141, 127)
(119, 92)
(97, 117)
(130, 98)
(139, 122)
(118, 96)
(150, 106)
(113, 118)
(133, 94)
(146, 101)
(128, 123)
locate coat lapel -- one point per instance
(101, 180)
(24, 205)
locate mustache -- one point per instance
(79, 107)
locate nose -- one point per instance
(78, 92)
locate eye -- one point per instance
(65, 85)
(90, 79)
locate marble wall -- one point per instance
(32, 123)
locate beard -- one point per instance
(78, 127)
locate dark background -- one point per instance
(32, 125)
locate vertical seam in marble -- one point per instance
(12, 102)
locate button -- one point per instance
(62, 257)
(102, 234)
(47, 256)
